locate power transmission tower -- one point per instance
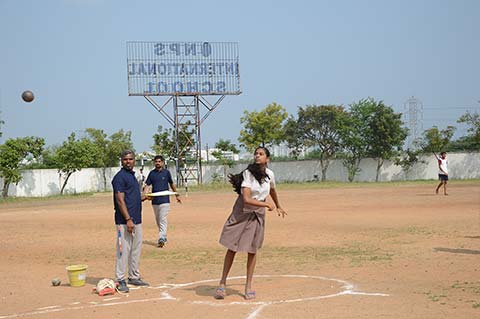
(414, 119)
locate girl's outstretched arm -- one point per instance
(274, 195)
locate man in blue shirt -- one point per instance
(159, 179)
(127, 201)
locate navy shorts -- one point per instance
(443, 177)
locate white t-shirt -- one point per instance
(258, 191)
(443, 164)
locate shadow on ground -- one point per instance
(209, 291)
(457, 251)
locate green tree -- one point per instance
(117, 143)
(73, 155)
(224, 146)
(353, 135)
(408, 159)
(47, 159)
(471, 141)
(320, 127)
(12, 154)
(384, 133)
(108, 149)
(99, 139)
(436, 140)
(164, 142)
(293, 137)
(263, 128)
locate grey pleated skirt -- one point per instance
(244, 229)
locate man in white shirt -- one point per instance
(442, 172)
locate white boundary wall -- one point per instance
(460, 166)
(46, 182)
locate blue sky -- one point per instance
(72, 54)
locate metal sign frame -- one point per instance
(185, 72)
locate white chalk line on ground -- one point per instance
(349, 290)
(165, 295)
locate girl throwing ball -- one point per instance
(244, 229)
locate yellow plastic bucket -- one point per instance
(77, 275)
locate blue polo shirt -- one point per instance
(125, 182)
(160, 180)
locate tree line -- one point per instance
(366, 129)
(93, 149)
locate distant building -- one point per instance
(208, 156)
(281, 150)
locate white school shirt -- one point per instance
(443, 164)
(259, 191)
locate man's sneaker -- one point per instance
(137, 282)
(161, 242)
(122, 287)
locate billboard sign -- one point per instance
(183, 68)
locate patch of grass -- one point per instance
(388, 233)
(435, 298)
(473, 287)
(12, 199)
(463, 290)
(226, 187)
(334, 184)
(215, 187)
(415, 230)
(357, 254)
(394, 233)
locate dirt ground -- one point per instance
(364, 251)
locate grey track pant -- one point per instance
(129, 249)
(161, 212)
